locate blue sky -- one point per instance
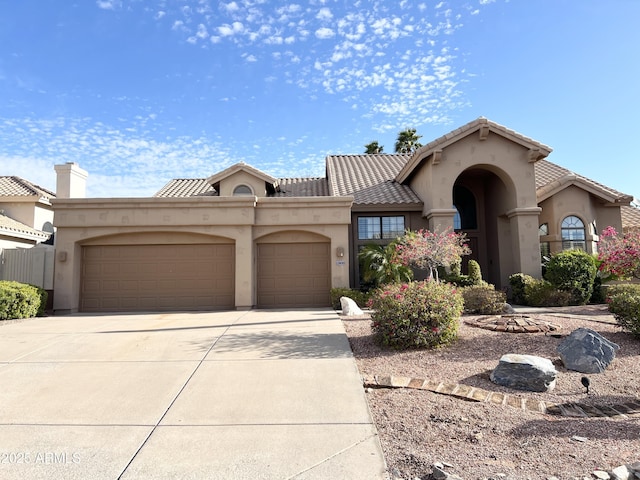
(140, 92)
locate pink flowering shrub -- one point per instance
(624, 304)
(429, 250)
(619, 253)
(416, 315)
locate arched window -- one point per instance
(242, 190)
(457, 220)
(465, 204)
(573, 234)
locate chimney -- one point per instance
(71, 180)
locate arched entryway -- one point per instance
(483, 196)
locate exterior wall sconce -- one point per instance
(339, 252)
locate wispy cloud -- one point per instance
(109, 4)
(127, 160)
(398, 54)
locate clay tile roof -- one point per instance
(9, 226)
(187, 187)
(370, 179)
(303, 187)
(630, 217)
(547, 173)
(289, 187)
(11, 186)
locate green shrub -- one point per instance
(44, 296)
(19, 300)
(572, 271)
(625, 307)
(618, 288)
(483, 299)
(416, 314)
(475, 274)
(540, 293)
(458, 280)
(518, 283)
(361, 298)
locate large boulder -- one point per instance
(349, 307)
(525, 372)
(587, 351)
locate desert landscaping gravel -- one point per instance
(473, 440)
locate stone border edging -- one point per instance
(476, 394)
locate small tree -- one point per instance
(620, 254)
(381, 265)
(373, 148)
(429, 250)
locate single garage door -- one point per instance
(293, 275)
(123, 278)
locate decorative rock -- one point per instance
(508, 309)
(349, 307)
(525, 372)
(601, 475)
(586, 351)
(621, 473)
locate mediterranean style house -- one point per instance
(26, 214)
(243, 239)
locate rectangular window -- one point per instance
(392, 227)
(376, 228)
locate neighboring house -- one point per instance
(242, 238)
(26, 214)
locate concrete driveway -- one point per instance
(215, 395)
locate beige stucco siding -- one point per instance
(241, 220)
(575, 201)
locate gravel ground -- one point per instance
(483, 441)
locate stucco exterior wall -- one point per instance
(32, 213)
(584, 205)
(507, 194)
(228, 184)
(242, 220)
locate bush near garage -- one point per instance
(624, 304)
(573, 271)
(416, 314)
(483, 299)
(20, 300)
(361, 298)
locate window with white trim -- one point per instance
(573, 234)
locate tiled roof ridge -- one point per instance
(482, 121)
(26, 187)
(568, 174)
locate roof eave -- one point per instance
(550, 189)
(432, 150)
(217, 177)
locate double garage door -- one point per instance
(122, 278)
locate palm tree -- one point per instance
(380, 265)
(373, 148)
(408, 141)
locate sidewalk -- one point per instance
(220, 395)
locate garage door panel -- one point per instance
(293, 275)
(158, 277)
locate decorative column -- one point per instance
(525, 242)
